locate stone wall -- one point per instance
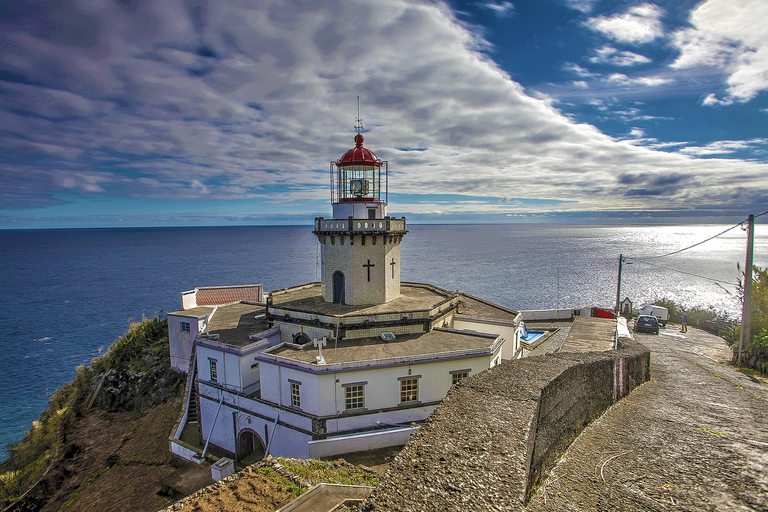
(488, 444)
(752, 356)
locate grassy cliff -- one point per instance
(123, 386)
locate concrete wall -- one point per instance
(181, 342)
(358, 210)
(232, 420)
(549, 314)
(360, 442)
(339, 254)
(228, 367)
(324, 395)
(531, 411)
(578, 395)
(510, 333)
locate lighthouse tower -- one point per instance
(360, 246)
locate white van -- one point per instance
(659, 312)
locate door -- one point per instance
(338, 287)
(249, 447)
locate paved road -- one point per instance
(693, 438)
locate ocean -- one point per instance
(70, 293)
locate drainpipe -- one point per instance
(272, 435)
(210, 432)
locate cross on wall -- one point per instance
(368, 266)
(392, 265)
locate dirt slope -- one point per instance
(121, 458)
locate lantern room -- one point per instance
(358, 189)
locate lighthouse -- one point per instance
(360, 246)
(355, 361)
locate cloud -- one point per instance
(163, 101)
(579, 71)
(639, 24)
(503, 8)
(610, 55)
(712, 100)
(581, 5)
(730, 36)
(723, 147)
(647, 81)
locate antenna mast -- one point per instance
(358, 121)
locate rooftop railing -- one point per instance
(266, 356)
(384, 225)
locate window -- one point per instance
(354, 397)
(254, 367)
(457, 376)
(214, 370)
(184, 326)
(295, 395)
(409, 390)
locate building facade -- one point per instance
(354, 362)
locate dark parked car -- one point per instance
(647, 323)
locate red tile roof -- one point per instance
(217, 295)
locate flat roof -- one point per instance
(235, 322)
(197, 312)
(475, 306)
(413, 297)
(590, 334)
(436, 341)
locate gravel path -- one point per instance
(694, 438)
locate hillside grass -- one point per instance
(49, 441)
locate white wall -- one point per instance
(510, 333)
(288, 330)
(322, 395)
(181, 342)
(358, 210)
(360, 442)
(189, 299)
(350, 260)
(548, 314)
(227, 367)
(391, 418)
(287, 442)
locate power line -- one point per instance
(691, 246)
(699, 243)
(679, 271)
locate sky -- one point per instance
(193, 112)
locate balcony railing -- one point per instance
(385, 225)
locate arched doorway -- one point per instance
(338, 287)
(300, 338)
(250, 449)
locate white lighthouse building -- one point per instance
(360, 246)
(354, 362)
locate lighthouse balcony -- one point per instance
(387, 225)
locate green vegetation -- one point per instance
(76, 495)
(148, 337)
(317, 471)
(48, 442)
(285, 483)
(755, 350)
(759, 328)
(694, 313)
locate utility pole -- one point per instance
(618, 286)
(558, 293)
(746, 307)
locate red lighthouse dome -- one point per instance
(359, 155)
